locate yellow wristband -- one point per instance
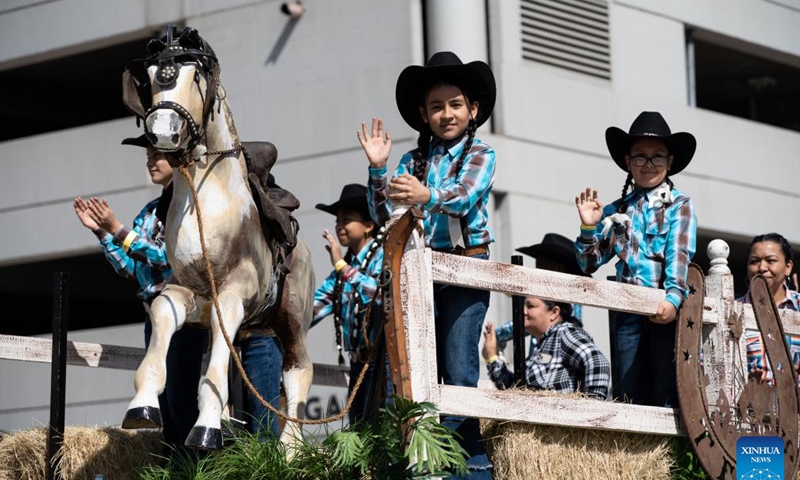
(340, 264)
(492, 359)
(588, 227)
(126, 244)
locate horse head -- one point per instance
(173, 89)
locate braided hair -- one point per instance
(420, 155)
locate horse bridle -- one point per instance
(170, 56)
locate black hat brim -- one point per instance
(476, 78)
(543, 250)
(681, 145)
(352, 203)
(140, 141)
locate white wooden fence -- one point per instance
(82, 354)
(724, 359)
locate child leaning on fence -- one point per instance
(652, 230)
(450, 176)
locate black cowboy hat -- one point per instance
(681, 145)
(475, 78)
(353, 197)
(140, 141)
(557, 248)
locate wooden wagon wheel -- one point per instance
(761, 409)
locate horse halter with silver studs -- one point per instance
(170, 56)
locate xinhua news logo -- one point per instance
(759, 458)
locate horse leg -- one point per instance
(297, 306)
(206, 433)
(167, 315)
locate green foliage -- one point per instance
(404, 442)
(686, 465)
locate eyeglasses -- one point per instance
(641, 161)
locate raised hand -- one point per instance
(377, 145)
(333, 247)
(81, 210)
(489, 341)
(103, 216)
(407, 189)
(589, 207)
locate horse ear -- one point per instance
(130, 94)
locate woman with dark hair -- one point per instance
(771, 257)
(565, 358)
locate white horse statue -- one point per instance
(176, 92)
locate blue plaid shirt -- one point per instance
(462, 194)
(656, 246)
(566, 360)
(144, 256)
(363, 284)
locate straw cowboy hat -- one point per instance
(681, 145)
(556, 248)
(475, 78)
(353, 197)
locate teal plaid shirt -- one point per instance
(654, 249)
(143, 259)
(462, 194)
(361, 285)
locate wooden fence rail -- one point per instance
(82, 354)
(725, 359)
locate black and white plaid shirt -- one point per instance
(566, 359)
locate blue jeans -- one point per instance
(178, 402)
(262, 359)
(359, 409)
(644, 361)
(460, 313)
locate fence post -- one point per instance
(719, 345)
(417, 287)
(58, 373)
(518, 328)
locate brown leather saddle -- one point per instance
(275, 204)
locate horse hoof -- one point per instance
(204, 438)
(142, 417)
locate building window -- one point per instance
(750, 84)
(568, 34)
(66, 92)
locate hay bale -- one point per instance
(86, 451)
(524, 451)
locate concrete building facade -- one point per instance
(565, 70)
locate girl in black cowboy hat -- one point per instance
(450, 176)
(653, 231)
(351, 285)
